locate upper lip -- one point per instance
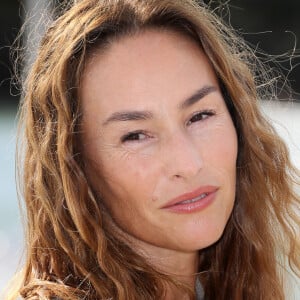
(191, 195)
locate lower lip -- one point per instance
(194, 206)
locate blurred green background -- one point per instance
(272, 26)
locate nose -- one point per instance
(182, 158)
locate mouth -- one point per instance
(192, 201)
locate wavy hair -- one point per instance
(71, 252)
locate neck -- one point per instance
(180, 265)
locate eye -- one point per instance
(135, 136)
(201, 116)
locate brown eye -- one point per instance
(200, 116)
(134, 136)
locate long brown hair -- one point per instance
(71, 252)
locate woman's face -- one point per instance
(159, 143)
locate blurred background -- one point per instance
(271, 26)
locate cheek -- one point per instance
(130, 177)
(133, 167)
(220, 142)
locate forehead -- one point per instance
(148, 65)
(139, 40)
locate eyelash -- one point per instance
(205, 114)
(128, 137)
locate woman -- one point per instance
(150, 172)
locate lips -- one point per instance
(189, 199)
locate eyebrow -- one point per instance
(129, 116)
(198, 95)
(146, 115)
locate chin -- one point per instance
(196, 240)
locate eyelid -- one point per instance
(208, 112)
(205, 111)
(124, 137)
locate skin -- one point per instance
(177, 151)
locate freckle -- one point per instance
(154, 198)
